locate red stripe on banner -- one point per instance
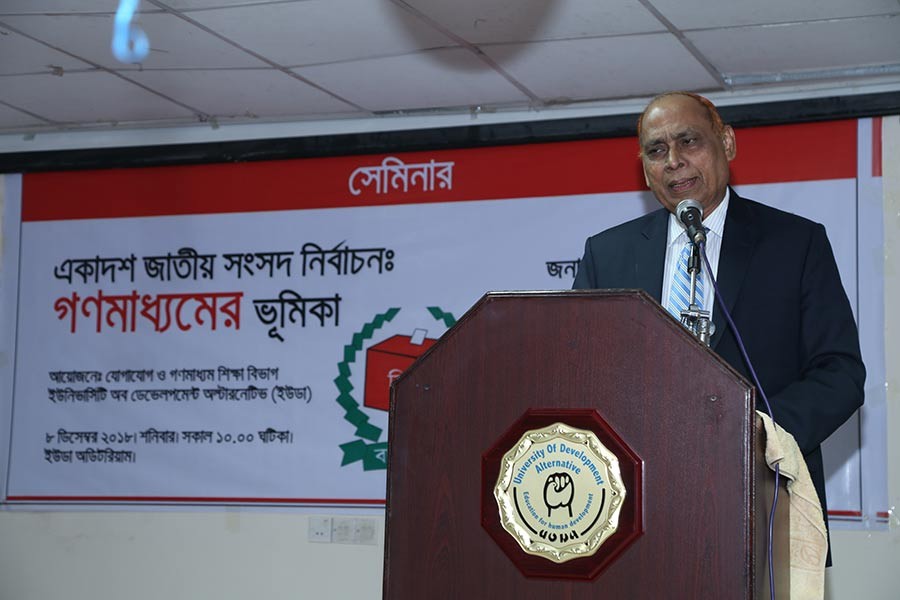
(198, 500)
(802, 152)
(845, 513)
(876, 147)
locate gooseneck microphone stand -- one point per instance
(697, 321)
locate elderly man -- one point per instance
(776, 272)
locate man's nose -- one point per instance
(673, 159)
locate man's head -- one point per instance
(685, 150)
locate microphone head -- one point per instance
(686, 205)
(690, 213)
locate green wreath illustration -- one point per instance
(368, 447)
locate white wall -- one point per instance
(152, 555)
(249, 554)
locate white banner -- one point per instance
(177, 344)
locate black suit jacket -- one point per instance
(778, 278)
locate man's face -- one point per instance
(683, 156)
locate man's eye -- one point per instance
(690, 141)
(653, 152)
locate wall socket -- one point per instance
(343, 530)
(319, 529)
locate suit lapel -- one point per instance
(650, 254)
(739, 240)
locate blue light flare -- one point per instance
(129, 42)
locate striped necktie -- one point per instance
(680, 294)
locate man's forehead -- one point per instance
(675, 111)
(675, 103)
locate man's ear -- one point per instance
(730, 142)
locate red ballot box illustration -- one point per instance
(386, 360)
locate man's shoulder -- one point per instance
(774, 219)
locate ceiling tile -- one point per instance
(493, 21)
(587, 69)
(449, 77)
(11, 118)
(86, 97)
(251, 93)
(783, 48)
(173, 41)
(319, 31)
(696, 14)
(20, 55)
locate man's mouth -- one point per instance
(682, 185)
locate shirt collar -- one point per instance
(714, 222)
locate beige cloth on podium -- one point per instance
(809, 540)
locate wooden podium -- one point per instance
(697, 526)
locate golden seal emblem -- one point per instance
(559, 492)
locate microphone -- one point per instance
(690, 213)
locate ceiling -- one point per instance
(221, 62)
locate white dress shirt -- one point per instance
(715, 224)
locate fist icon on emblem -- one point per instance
(559, 490)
